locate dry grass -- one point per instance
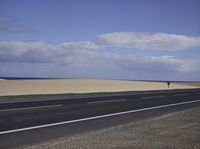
(24, 87)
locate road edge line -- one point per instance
(97, 117)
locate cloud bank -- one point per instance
(87, 54)
(148, 41)
(86, 58)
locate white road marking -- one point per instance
(179, 94)
(103, 101)
(29, 108)
(27, 101)
(169, 91)
(148, 97)
(97, 117)
(197, 93)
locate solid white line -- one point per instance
(103, 101)
(152, 97)
(179, 94)
(29, 108)
(97, 117)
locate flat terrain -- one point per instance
(60, 86)
(140, 115)
(191, 84)
(176, 130)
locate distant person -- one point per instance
(168, 84)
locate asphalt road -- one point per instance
(69, 116)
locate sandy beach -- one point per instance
(59, 86)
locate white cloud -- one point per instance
(87, 55)
(80, 45)
(6, 25)
(169, 64)
(148, 41)
(33, 51)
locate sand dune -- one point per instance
(56, 86)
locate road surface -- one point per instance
(45, 119)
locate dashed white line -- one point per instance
(148, 97)
(98, 117)
(29, 108)
(104, 101)
(179, 94)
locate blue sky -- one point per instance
(109, 39)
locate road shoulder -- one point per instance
(175, 130)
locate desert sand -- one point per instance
(59, 86)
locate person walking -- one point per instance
(168, 84)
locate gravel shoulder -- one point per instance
(175, 130)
